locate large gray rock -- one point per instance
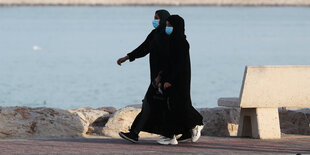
(24, 122)
(95, 118)
(121, 120)
(295, 122)
(220, 121)
(110, 110)
(90, 115)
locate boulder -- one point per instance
(110, 110)
(25, 122)
(220, 121)
(121, 120)
(295, 121)
(95, 118)
(97, 126)
(90, 115)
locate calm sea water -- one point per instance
(65, 57)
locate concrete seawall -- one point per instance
(158, 2)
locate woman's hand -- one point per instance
(123, 59)
(167, 85)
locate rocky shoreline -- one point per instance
(43, 122)
(156, 2)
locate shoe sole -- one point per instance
(167, 143)
(174, 142)
(126, 138)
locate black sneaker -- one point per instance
(185, 138)
(129, 136)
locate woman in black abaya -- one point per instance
(183, 118)
(156, 45)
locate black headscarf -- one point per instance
(178, 25)
(163, 15)
(156, 45)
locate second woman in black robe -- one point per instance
(182, 117)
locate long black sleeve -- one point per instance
(142, 50)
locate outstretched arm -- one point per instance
(142, 50)
(139, 52)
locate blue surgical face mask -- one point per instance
(169, 30)
(155, 23)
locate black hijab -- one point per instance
(178, 25)
(163, 15)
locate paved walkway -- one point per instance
(206, 145)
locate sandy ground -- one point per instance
(160, 2)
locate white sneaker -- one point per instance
(196, 132)
(168, 141)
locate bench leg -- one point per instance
(262, 123)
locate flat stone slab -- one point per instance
(229, 102)
(289, 144)
(275, 86)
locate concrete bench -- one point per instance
(265, 89)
